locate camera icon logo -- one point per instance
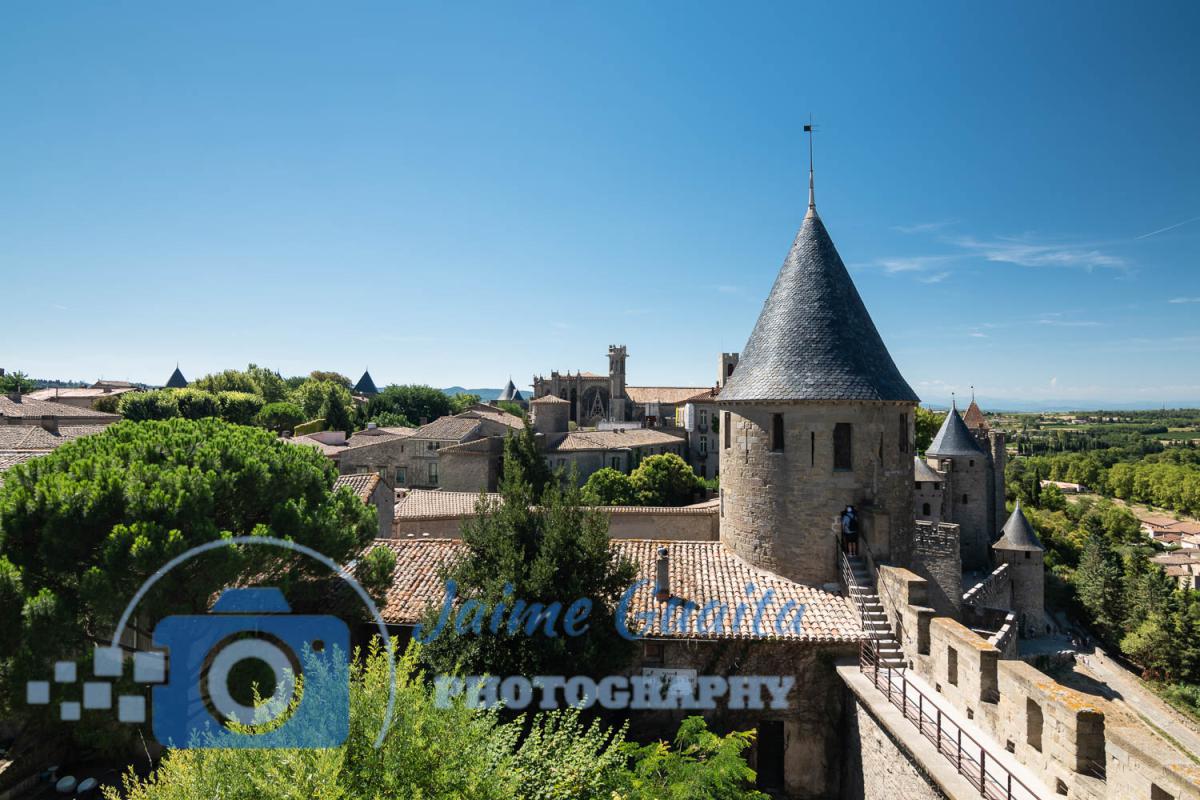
(305, 701)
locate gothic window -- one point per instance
(843, 457)
(777, 433)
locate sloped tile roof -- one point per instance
(549, 399)
(28, 407)
(362, 484)
(577, 441)
(12, 458)
(974, 417)
(814, 339)
(427, 504)
(954, 439)
(51, 394)
(447, 428)
(667, 395)
(699, 572)
(177, 381)
(34, 437)
(483, 411)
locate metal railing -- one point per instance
(970, 758)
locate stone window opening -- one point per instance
(972, 462)
(881, 447)
(964, 502)
(843, 456)
(812, 449)
(1034, 724)
(777, 433)
(904, 433)
(433, 473)
(1158, 793)
(926, 510)
(654, 653)
(727, 426)
(952, 666)
(1089, 744)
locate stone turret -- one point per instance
(968, 493)
(725, 368)
(1019, 547)
(366, 385)
(177, 381)
(816, 416)
(550, 414)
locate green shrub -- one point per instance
(281, 416)
(142, 406)
(240, 408)
(197, 404)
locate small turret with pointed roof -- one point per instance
(365, 385)
(954, 438)
(1018, 533)
(177, 381)
(511, 394)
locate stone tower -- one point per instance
(1019, 547)
(967, 498)
(726, 367)
(815, 416)
(550, 414)
(616, 382)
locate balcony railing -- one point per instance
(970, 758)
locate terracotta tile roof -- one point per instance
(378, 436)
(51, 394)
(331, 450)
(35, 437)
(577, 441)
(548, 399)
(974, 417)
(29, 407)
(428, 504)
(1178, 557)
(700, 572)
(11, 458)
(667, 395)
(449, 428)
(362, 484)
(481, 411)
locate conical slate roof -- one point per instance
(1018, 533)
(365, 385)
(177, 381)
(954, 439)
(814, 339)
(511, 393)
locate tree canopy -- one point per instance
(414, 402)
(665, 480)
(82, 527)
(542, 547)
(458, 752)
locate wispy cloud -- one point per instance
(936, 277)
(923, 227)
(1182, 300)
(1168, 228)
(1026, 252)
(1070, 323)
(977, 335)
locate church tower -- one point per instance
(816, 416)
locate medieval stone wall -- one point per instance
(968, 505)
(780, 507)
(878, 766)
(937, 558)
(1079, 744)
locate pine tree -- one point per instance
(1099, 583)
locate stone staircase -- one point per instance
(861, 588)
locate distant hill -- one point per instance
(484, 394)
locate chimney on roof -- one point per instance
(662, 577)
(50, 424)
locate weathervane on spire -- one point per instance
(809, 128)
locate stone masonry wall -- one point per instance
(878, 767)
(669, 524)
(937, 558)
(780, 507)
(1068, 739)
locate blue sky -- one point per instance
(450, 194)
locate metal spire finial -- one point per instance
(812, 201)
